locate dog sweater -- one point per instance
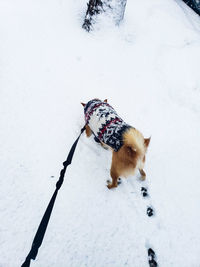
(105, 124)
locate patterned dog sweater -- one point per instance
(105, 124)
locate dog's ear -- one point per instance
(147, 141)
(106, 100)
(83, 104)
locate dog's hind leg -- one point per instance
(143, 174)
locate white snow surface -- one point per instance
(148, 68)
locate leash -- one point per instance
(37, 241)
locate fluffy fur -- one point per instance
(129, 158)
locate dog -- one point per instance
(128, 145)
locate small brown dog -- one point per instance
(128, 144)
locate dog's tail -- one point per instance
(134, 143)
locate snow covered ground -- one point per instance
(148, 68)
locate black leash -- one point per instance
(44, 222)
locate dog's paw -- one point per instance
(118, 182)
(110, 186)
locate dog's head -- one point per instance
(84, 104)
(87, 106)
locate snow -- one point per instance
(148, 68)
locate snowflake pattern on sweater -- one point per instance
(105, 123)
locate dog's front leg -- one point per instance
(104, 146)
(114, 176)
(88, 130)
